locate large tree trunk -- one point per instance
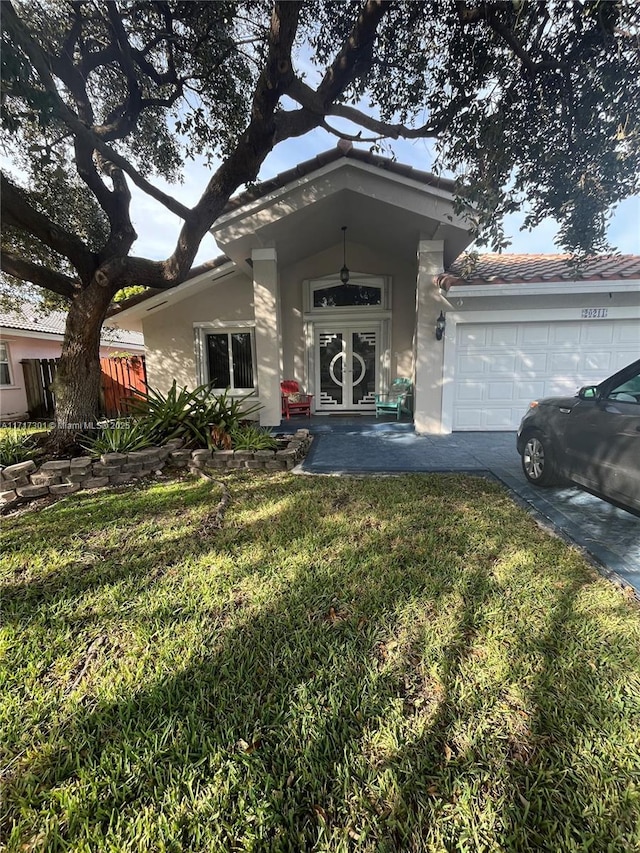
(77, 384)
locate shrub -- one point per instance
(253, 437)
(16, 447)
(120, 437)
(197, 416)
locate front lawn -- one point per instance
(381, 664)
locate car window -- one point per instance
(626, 392)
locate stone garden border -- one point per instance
(25, 481)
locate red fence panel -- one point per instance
(119, 377)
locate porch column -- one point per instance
(266, 298)
(429, 352)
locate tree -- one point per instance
(527, 101)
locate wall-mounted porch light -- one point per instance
(441, 322)
(344, 272)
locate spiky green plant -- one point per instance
(252, 437)
(17, 446)
(120, 437)
(196, 416)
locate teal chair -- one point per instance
(397, 400)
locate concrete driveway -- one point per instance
(609, 535)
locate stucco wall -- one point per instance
(169, 332)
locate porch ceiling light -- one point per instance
(441, 322)
(344, 272)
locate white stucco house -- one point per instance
(274, 306)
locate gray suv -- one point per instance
(592, 439)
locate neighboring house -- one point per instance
(27, 335)
(274, 306)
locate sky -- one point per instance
(157, 228)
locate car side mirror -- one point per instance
(588, 392)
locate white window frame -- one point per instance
(4, 345)
(201, 330)
(362, 279)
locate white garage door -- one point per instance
(501, 367)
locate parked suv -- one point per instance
(592, 439)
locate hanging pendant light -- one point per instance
(344, 272)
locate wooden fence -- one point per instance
(118, 377)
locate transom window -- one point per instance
(343, 295)
(361, 292)
(5, 373)
(230, 355)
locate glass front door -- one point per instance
(347, 368)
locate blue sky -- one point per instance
(158, 229)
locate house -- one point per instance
(28, 335)
(274, 306)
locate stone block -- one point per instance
(44, 478)
(223, 454)
(8, 497)
(180, 457)
(264, 455)
(255, 463)
(105, 470)
(79, 462)
(275, 465)
(8, 485)
(132, 468)
(201, 455)
(174, 443)
(77, 476)
(163, 453)
(65, 488)
(110, 459)
(59, 465)
(96, 482)
(302, 433)
(32, 491)
(243, 454)
(218, 462)
(122, 479)
(235, 463)
(285, 454)
(20, 469)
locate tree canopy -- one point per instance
(528, 103)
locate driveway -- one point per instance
(609, 535)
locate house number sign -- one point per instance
(594, 313)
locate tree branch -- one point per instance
(243, 164)
(28, 272)
(84, 135)
(18, 211)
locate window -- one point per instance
(341, 295)
(5, 373)
(230, 359)
(628, 392)
(363, 293)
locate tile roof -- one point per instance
(518, 269)
(343, 149)
(53, 324)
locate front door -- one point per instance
(347, 368)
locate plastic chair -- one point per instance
(396, 400)
(294, 401)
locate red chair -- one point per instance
(294, 401)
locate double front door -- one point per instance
(347, 366)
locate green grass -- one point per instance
(383, 664)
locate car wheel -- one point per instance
(537, 461)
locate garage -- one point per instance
(498, 368)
